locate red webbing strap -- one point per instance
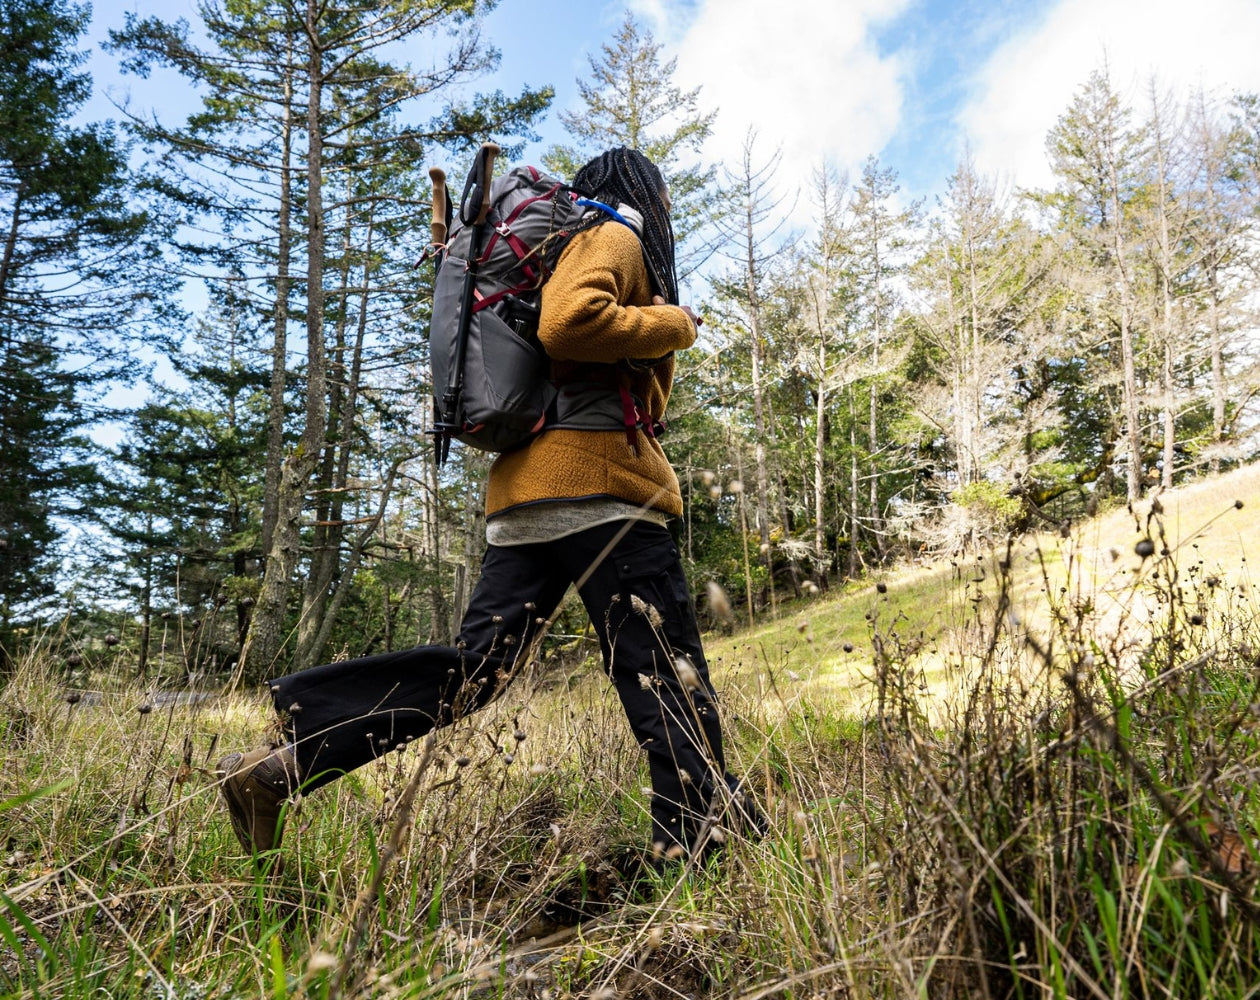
(504, 227)
(488, 300)
(634, 420)
(629, 414)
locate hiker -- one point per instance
(571, 506)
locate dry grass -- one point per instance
(963, 803)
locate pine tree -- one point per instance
(630, 100)
(299, 106)
(75, 277)
(881, 235)
(1096, 152)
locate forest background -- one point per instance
(880, 375)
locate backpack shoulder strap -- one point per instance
(654, 280)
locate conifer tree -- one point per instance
(1096, 152)
(630, 99)
(292, 92)
(75, 277)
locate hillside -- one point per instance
(933, 612)
(937, 853)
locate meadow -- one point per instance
(1029, 772)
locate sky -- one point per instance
(916, 83)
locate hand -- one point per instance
(658, 300)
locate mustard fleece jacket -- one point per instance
(597, 307)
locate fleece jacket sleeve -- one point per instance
(587, 313)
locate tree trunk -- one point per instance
(280, 327)
(758, 363)
(343, 390)
(820, 456)
(855, 557)
(265, 641)
(1218, 367)
(1132, 413)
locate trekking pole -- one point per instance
(439, 226)
(441, 207)
(474, 207)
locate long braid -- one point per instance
(626, 176)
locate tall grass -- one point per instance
(1022, 800)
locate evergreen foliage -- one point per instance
(76, 276)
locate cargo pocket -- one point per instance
(652, 581)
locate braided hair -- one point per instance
(626, 176)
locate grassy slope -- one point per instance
(130, 870)
(821, 647)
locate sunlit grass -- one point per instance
(1030, 779)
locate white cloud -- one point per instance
(1028, 83)
(805, 74)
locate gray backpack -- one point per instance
(491, 384)
(499, 396)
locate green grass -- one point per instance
(1036, 781)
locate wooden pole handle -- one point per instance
(437, 225)
(489, 151)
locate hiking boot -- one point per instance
(255, 786)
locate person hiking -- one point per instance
(573, 506)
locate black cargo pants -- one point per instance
(342, 715)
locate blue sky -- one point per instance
(911, 81)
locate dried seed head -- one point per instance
(810, 587)
(1238, 505)
(687, 673)
(708, 477)
(111, 640)
(647, 610)
(881, 587)
(73, 698)
(1145, 548)
(645, 682)
(321, 961)
(719, 602)
(519, 736)
(802, 625)
(848, 647)
(675, 852)
(684, 776)
(462, 761)
(715, 492)
(735, 486)
(145, 709)
(655, 938)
